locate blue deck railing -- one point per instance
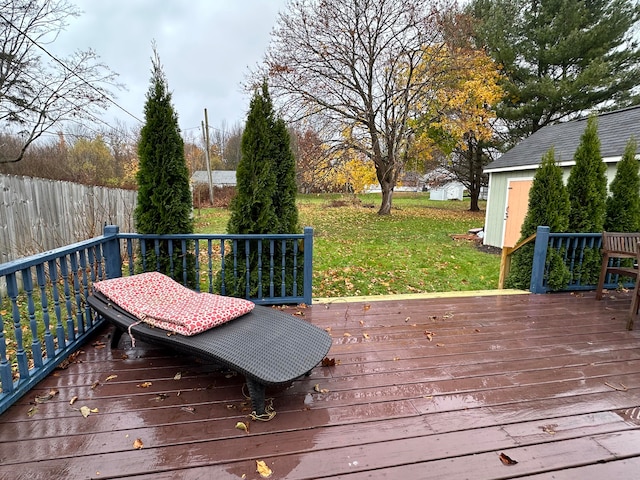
(44, 316)
(573, 248)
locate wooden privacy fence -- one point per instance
(44, 316)
(38, 215)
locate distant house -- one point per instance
(511, 175)
(443, 185)
(219, 178)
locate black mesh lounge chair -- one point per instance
(267, 346)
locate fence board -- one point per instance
(37, 215)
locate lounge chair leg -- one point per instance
(256, 392)
(116, 335)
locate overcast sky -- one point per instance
(205, 46)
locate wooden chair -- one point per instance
(635, 298)
(617, 245)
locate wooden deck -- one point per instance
(421, 389)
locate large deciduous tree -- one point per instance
(354, 62)
(38, 92)
(560, 58)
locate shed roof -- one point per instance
(614, 130)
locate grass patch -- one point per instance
(358, 252)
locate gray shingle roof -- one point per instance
(614, 130)
(220, 178)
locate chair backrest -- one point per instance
(620, 243)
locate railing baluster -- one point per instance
(76, 293)
(6, 379)
(295, 269)
(85, 288)
(64, 273)
(36, 346)
(259, 293)
(21, 354)
(283, 261)
(271, 268)
(44, 302)
(130, 256)
(247, 264)
(53, 276)
(210, 263)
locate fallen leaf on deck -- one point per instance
(242, 426)
(73, 400)
(317, 388)
(160, 397)
(94, 385)
(32, 411)
(439, 344)
(137, 444)
(429, 335)
(507, 460)
(345, 334)
(366, 307)
(328, 362)
(110, 377)
(621, 388)
(177, 376)
(366, 336)
(263, 469)
(328, 329)
(550, 429)
(47, 396)
(145, 385)
(395, 359)
(98, 344)
(188, 409)
(85, 411)
(362, 323)
(407, 319)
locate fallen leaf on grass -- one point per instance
(137, 444)
(263, 469)
(110, 377)
(506, 459)
(145, 385)
(242, 426)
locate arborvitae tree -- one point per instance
(548, 205)
(587, 183)
(284, 200)
(252, 208)
(164, 198)
(623, 206)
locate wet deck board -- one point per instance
(422, 389)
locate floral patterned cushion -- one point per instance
(162, 302)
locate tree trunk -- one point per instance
(387, 197)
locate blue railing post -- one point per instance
(308, 265)
(539, 260)
(111, 251)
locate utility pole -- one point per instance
(205, 138)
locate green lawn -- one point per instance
(357, 252)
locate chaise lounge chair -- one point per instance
(267, 346)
